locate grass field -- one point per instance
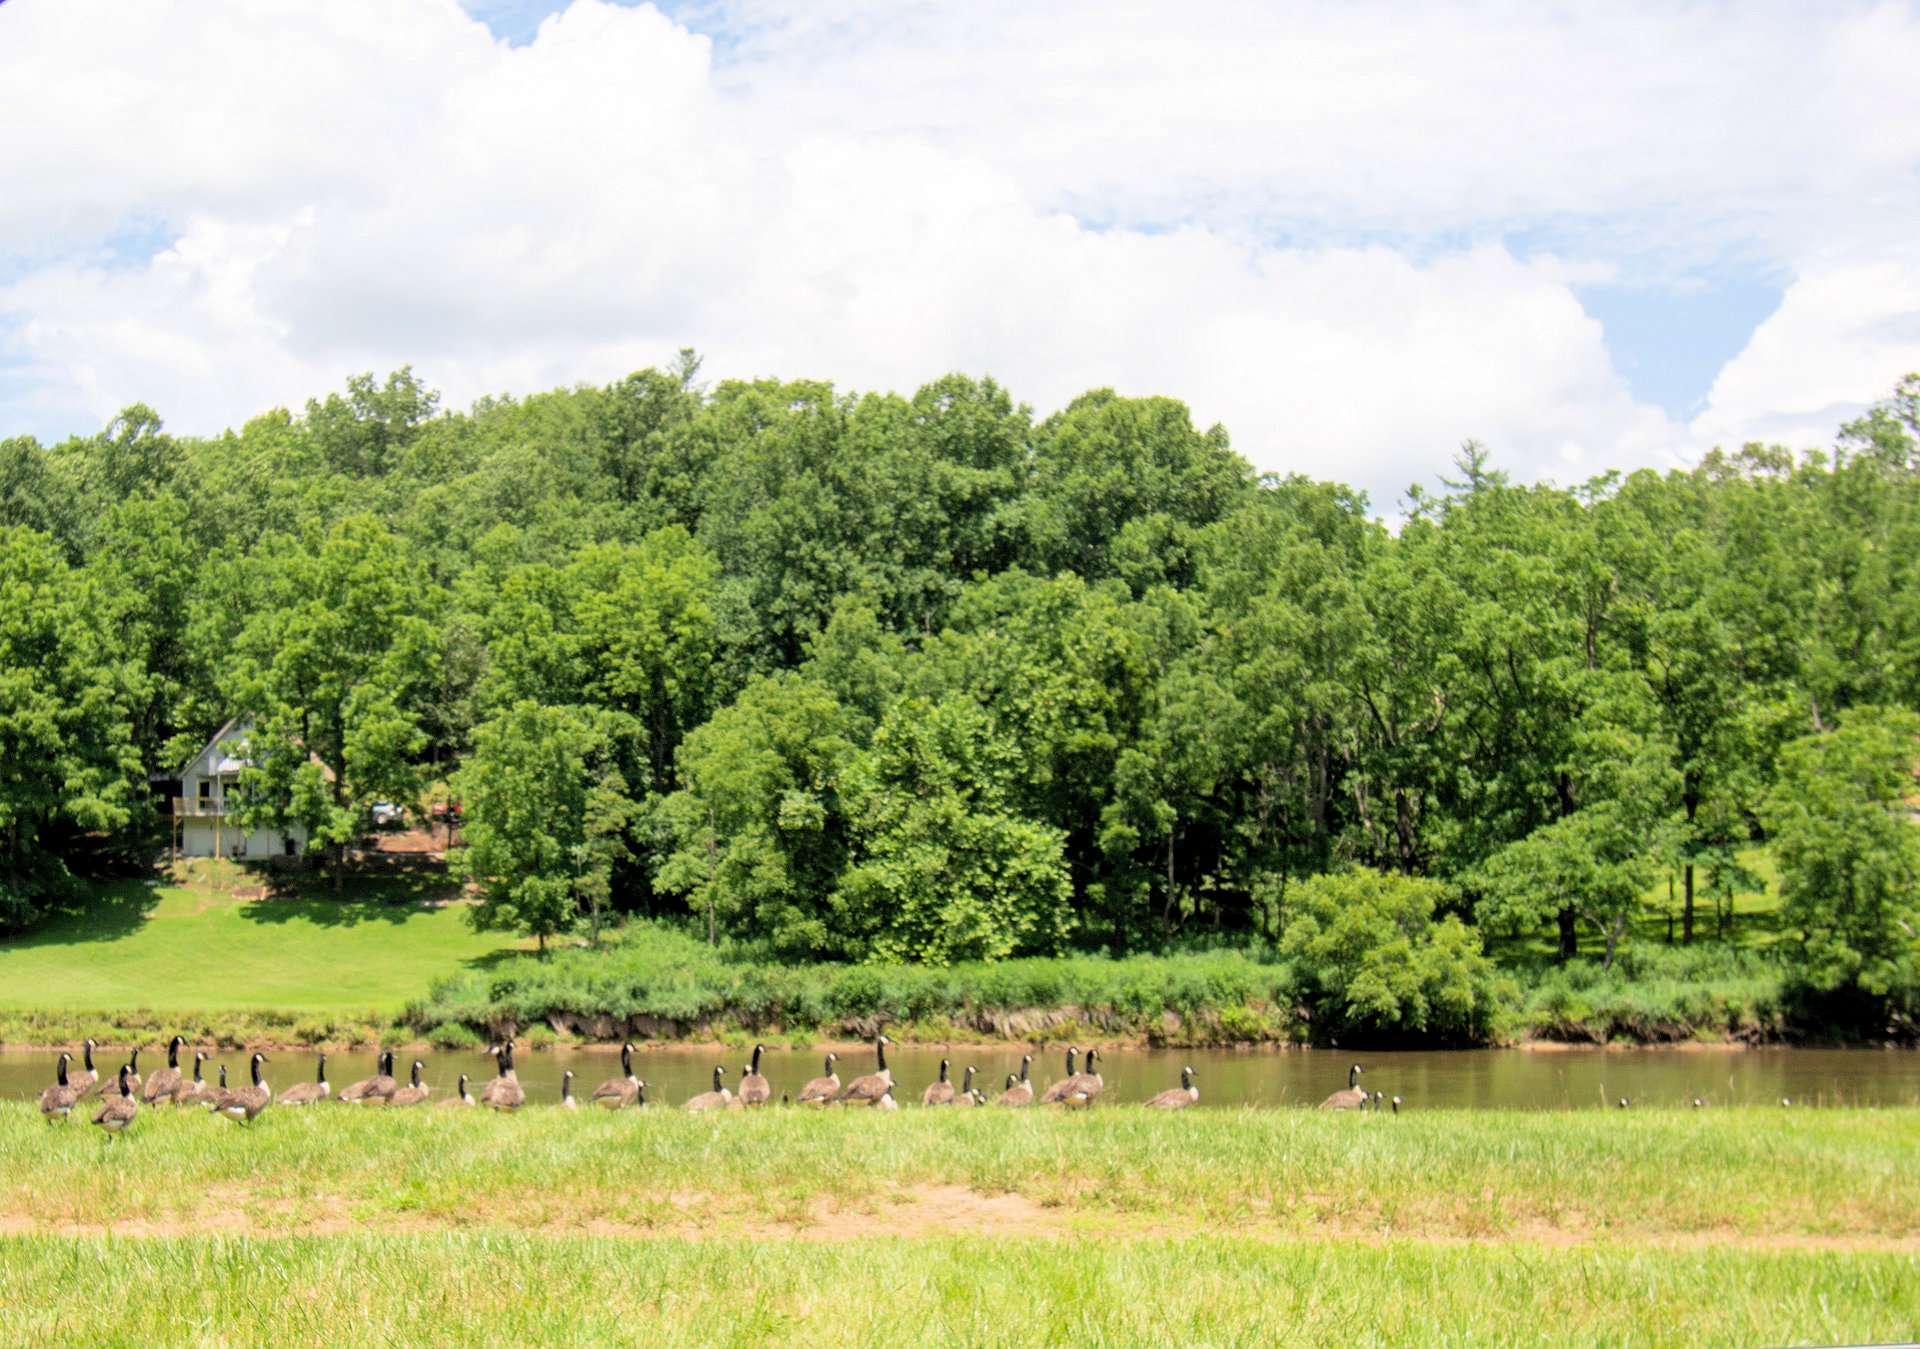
(197, 946)
(1116, 1226)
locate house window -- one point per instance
(206, 793)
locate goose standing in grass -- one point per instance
(1180, 1097)
(461, 1096)
(375, 1090)
(246, 1103)
(566, 1091)
(166, 1081)
(1350, 1099)
(640, 1095)
(1019, 1089)
(133, 1069)
(56, 1102)
(1057, 1092)
(717, 1099)
(86, 1078)
(870, 1088)
(194, 1091)
(306, 1093)
(823, 1088)
(616, 1093)
(965, 1096)
(941, 1091)
(117, 1111)
(886, 1101)
(505, 1091)
(1396, 1105)
(415, 1092)
(1085, 1086)
(211, 1096)
(754, 1087)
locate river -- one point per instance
(1560, 1079)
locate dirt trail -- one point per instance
(922, 1211)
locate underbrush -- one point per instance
(1655, 995)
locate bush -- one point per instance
(1374, 964)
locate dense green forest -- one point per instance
(923, 679)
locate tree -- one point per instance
(942, 869)
(68, 767)
(1848, 850)
(545, 820)
(1373, 961)
(335, 666)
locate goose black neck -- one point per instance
(756, 1059)
(133, 1061)
(1026, 1066)
(60, 1074)
(626, 1060)
(1353, 1077)
(943, 1070)
(966, 1080)
(640, 1096)
(123, 1083)
(1186, 1077)
(463, 1084)
(416, 1072)
(718, 1073)
(320, 1071)
(86, 1051)
(880, 1052)
(173, 1053)
(255, 1065)
(1071, 1054)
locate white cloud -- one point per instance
(1062, 198)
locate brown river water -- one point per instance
(1569, 1079)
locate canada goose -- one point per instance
(133, 1069)
(618, 1092)
(1084, 1087)
(246, 1103)
(375, 1090)
(86, 1078)
(754, 1088)
(1396, 1105)
(1623, 1103)
(306, 1093)
(1698, 1103)
(940, 1092)
(117, 1112)
(821, 1089)
(193, 1090)
(1019, 1089)
(56, 1102)
(505, 1091)
(866, 1090)
(640, 1094)
(461, 1096)
(1057, 1092)
(415, 1092)
(210, 1096)
(166, 1081)
(1350, 1099)
(1785, 1101)
(1180, 1097)
(717, 1099)
(966, 1093)
(886, 1101)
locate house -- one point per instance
(203, 805)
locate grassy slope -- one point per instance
(1242, 1227)
(198, 948)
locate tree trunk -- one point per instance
(1686, 911)
(1615, 931)
(1569, 935)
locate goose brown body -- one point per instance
(1180, 1097)
(754, 1087)
(414, 1093)
(57, 1101)
(164, 1084)
(939, 1092)
(1019, 1089)
(1350, 1099)
(871, 1087)
(85, 1078)
(245, 1103)
(307, 1093)
(823, 1088)
(375, 1090)
(717, 1099)
(505, 1091)
(619, 1092)
(118, 1110)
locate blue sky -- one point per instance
(1354, 233)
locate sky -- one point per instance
(1355, 233)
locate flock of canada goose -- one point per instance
(122, 1098)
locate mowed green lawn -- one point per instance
(167, 948)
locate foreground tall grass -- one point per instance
(506, 1288)
(1749, 1174)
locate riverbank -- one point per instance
(990, 1226)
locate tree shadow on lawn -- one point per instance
(109, 912)
(391, 895)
